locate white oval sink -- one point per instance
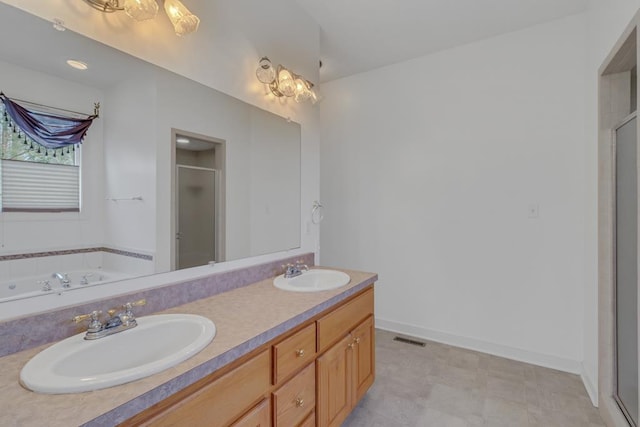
(158, 342)
(315, 280)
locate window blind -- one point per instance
(39, 187)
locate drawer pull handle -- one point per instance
(357, 340)
(299, 402)
(300, 352)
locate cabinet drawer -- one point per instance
(293, 353)
(219, 402)
(294, 400)
(260, 416)
(310, 421)
(336, 324)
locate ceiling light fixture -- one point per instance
(183, 21)
(78, 65)
(182, 140)
(283, 82)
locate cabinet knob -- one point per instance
(299, 402)
(350, 345)
(356, 340)
(300, 352)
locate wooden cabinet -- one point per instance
(293, 353)
(347, 370)
(312, 376)
(260, 416)
(296, 399)
(335, 398)
(217, 403)
(345, 373)
(364, 358)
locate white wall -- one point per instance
(428, 168)
(275, 164)
(130, 164)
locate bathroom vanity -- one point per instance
(279, 358)
(312, 375)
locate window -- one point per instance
(34, 179)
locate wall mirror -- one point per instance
(130, 184)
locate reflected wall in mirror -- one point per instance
(126, 225)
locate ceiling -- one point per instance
(361, 35)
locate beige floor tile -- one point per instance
(441, 386)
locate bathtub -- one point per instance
(33, 286)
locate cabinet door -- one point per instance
(260, 416)
(334, 369)
(364, 358)
(221, 401)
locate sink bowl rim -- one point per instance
(38, 373)
(285, 284)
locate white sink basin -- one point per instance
(158, 342)
(313, 281)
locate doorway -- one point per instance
(198, 201)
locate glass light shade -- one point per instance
(141, 10)
(265, 72)
(302, 90)
(314, 96)
(184, 22)
(286, 84)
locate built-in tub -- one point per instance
(33, 286)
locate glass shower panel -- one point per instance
(195, 216)
(626, 269)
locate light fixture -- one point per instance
(58, 24)
(78, 65)
(284, 83)
(183, 21)
(182, 140)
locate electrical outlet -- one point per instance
(534, 210)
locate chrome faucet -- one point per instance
(293, 270)
(120, 319)
(46, 286)
(64, 279)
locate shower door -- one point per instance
(626, 268)
(195, 216)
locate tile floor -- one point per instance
(443, 386)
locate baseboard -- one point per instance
(592, 390)
(547, 361)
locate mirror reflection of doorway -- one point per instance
(198, 202)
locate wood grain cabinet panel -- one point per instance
(345, 373)
(260, 416)
(364, 358)
(336, 324)
(296, 399)
(293, 353)
(335, 397)
(220, 402)
(310, 421)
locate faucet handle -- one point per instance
(127, 316)
(301, 266)
(46, 286)
(94, 320)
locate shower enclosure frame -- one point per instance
(617, 98)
